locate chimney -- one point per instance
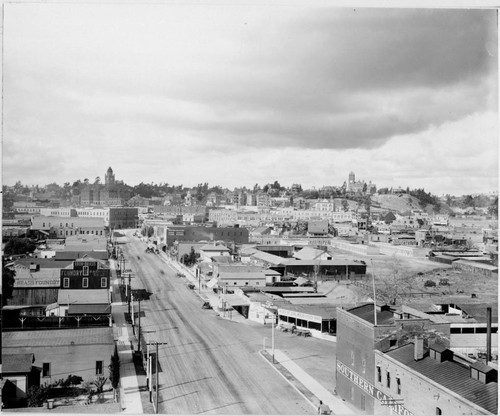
(419, 348)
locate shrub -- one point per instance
(444, 282)
(429, 283)
(37, 395)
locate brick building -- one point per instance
(433, 381)
(358, 336)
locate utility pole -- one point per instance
(139, 322)
(129, 292)
(272, 327)
(157, 378)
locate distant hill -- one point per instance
(401, 203)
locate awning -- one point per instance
(99, 309)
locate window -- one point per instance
(85, 282)
(104, 282)
(43, 225)
(379, 374)
(66, 282)
(352, 357)
(398, 384)
(98, 368)
(85, 270)
(46, 370)
(363, 364)
(388, 380)
(362, 402)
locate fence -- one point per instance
(40, 322)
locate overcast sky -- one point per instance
(237, 95)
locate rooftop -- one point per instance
(83, 296)
(44, 263)
(73, 255)
(451, 375)
(365, 312)
(17, 363)
(57, 337)
(323, 310)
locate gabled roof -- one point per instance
(308, 253)
(17, 363)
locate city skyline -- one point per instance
(235, 95)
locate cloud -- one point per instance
(153, 87)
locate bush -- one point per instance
(444, 282)
(37, 395)
(429, 283)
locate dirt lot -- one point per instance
(421, 270)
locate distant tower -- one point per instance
(110, 177)
(351, 181)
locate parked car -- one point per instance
(206, 305)
(190, 286)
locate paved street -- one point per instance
(209, 365)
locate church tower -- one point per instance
(110, 177)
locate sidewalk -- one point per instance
(130, 397)
(205, 294)
(307, 386)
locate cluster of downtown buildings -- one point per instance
(410, 360)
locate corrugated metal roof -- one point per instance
(57, 337)
(451, 375)
(269, 258)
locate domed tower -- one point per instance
(110, 177)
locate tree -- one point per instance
(394, 287)
(114, 370)
(19, 246)
(389, 218)
(37, 395)
(8, 279)
(493, 208)
(345, 205)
